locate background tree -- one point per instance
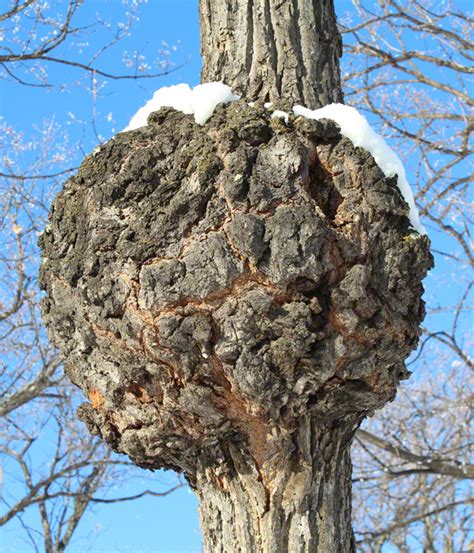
(409, 65)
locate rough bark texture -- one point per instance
(305, 506)
(233, 299)
(271, 50)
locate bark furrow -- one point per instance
(273, 50)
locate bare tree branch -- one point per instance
(428, 464)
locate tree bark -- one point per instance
(273, 49)
(304, 506)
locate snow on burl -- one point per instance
(202, 100)
(356, 127)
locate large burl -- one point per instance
(233, 299)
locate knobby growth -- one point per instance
(233, 299)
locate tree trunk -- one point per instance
(273, 49)
(303, 506)
(235, 297)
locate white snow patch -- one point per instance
(356, 127)
(281, 114)
(268, 105)
(200, 101)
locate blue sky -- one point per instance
(174, 22)
(149, 525)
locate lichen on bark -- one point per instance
(231, 298)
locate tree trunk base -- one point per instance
(299, 508)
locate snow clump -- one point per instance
(200, 101)
(281, 115)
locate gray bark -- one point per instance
(304, 507)
(233, 299)
(272, 49)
